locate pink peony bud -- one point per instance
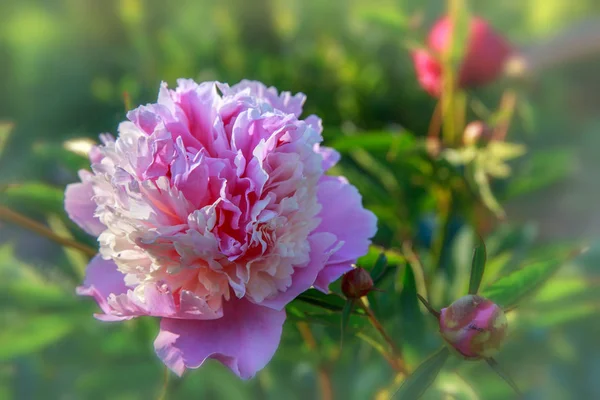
(473, 326)
(356, 283)
(483, 62)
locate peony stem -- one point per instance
(396, 358)
(417, 268)
(34, 226)
(435, 124)
(438, 250)
(325, 384)
(507, 109)
(322, 373)
(165, 386)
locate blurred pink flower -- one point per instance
(213, 212)
(484, 58)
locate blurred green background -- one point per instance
(64, 66)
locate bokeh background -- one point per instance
(65, 66)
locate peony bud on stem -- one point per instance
(356, 283)
(474, 326)
(484, 60)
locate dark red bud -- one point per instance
(356, 283)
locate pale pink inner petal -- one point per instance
(210, 195)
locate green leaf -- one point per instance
(328, 301)
(28, 334)
(543, 169)
(477, 267)
(5, 131)
(52, 153)
(411, 317)
(379, 268)
(504, 150)
(377, 170)
(462, 156)
(494, 266)
(35, 296)
(393, 258)
(503, 374)
(25, 287)
(346, 312)
(451, 386)
(485, 191)
(373, 141)
(355, 321)
(77, 260)
(428, 306)
(385, 17)
(565, 289)
(35, 197)
(511, 289)
(417, 383)
(560, 314)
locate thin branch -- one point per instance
(322, 373)
(503, 374)
(417, 267)
(16, 218)
(398, 362)
(507, 106)
(428, 306)
(165, 386)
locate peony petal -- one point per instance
(331, 273)
(304, 277)
(101, 280)
(283, 101)
(106, 284)
(330, 156)
(344, 216)
(80, 206)
(429, 72)
(315, 123)
(244, 339)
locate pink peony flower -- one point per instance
(212, 211)
(485, 55)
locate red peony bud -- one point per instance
(474, 326)
(484, 57)
(356, 283)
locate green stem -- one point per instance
(396, 359)
(165, 386)
(34, 226)
(444, 207)
(323, 376)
